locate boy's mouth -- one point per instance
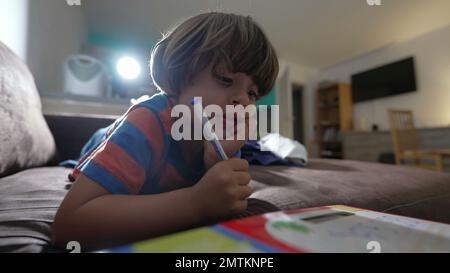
(233, 121)
(227, 129)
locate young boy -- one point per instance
(139, 182)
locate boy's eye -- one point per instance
(225, 80)
(252, 94)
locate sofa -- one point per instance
(32, 185)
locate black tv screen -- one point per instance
(387, 80)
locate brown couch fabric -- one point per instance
(30, 199)
(28, 203)
(399, 190)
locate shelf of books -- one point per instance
(334, 117)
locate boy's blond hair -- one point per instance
(216, 38)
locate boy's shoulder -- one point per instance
(157, 103)
(160, 105)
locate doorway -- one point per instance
(297, 112)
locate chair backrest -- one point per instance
(404, 134)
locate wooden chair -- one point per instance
(405, 141)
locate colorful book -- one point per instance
(321, 229)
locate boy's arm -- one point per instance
(95, 218)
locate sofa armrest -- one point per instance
(72, 131)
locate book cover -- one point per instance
(321, 229)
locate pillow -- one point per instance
(25, 139)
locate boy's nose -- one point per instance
(241, 98)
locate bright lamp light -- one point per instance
(128, 68)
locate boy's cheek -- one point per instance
(247, 130)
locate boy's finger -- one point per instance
(240, 206)
(244, 192)
(242, 177)
(238, 164)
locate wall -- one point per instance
(59, 105)
(14, 25)
(291, 73)
(431, 102)
(56, 30)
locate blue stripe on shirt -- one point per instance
(100, 175)
(134, 143)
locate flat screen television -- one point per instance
(387, 80)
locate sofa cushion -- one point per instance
(25, 139)
(30, 199)
(392, 189)
(28, 203)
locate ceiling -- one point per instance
(313, 33)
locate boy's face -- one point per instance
(221, 88)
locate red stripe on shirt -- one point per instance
(85, 158)
(116, 161)
(144, 119)
(166, 120)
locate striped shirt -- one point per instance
(138, 154)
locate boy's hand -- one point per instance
(223, 190)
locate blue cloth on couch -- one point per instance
(95, 139)
(251, 152)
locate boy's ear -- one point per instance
(168, 89)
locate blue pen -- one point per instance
(198, 113)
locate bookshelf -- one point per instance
(334, 117)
